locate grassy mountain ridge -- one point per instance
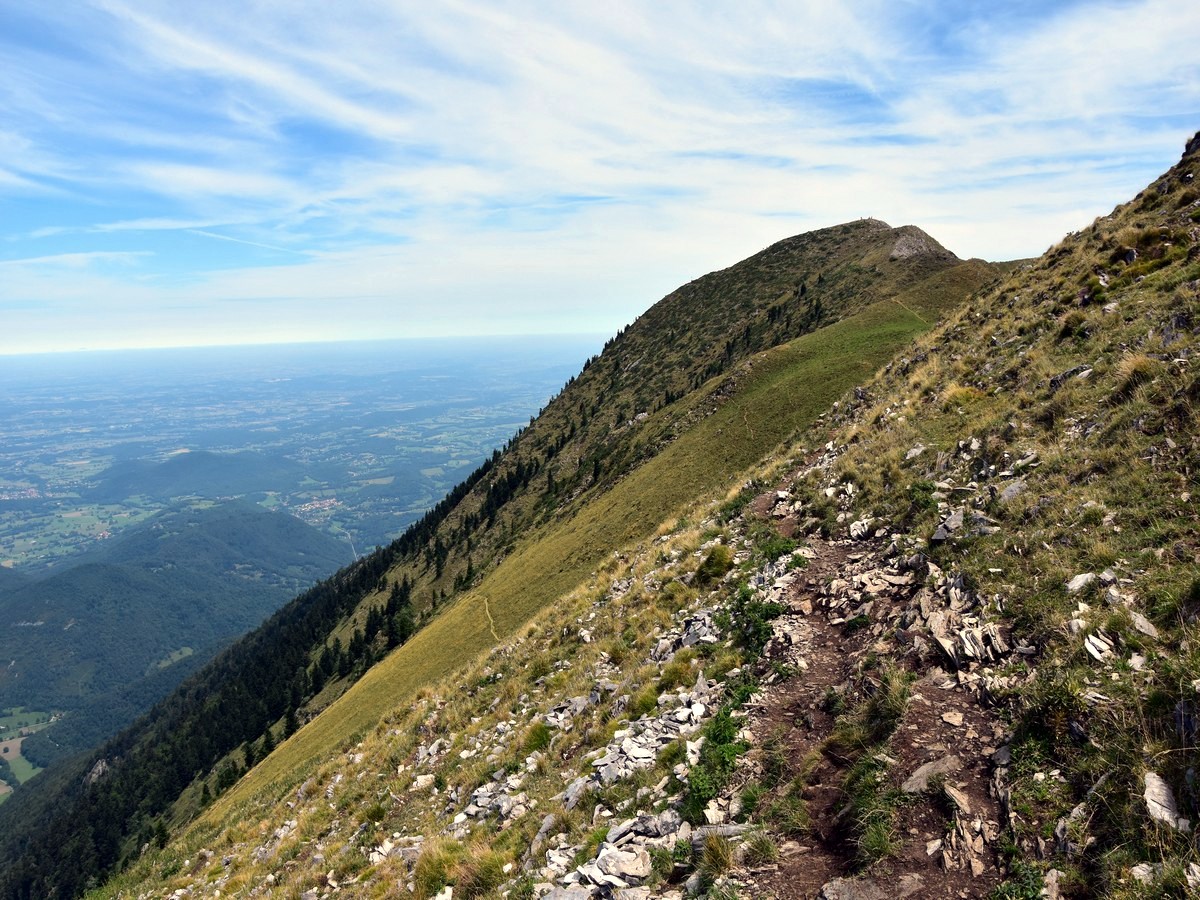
(530, 524)
(600, 426)
(807, 374)
(689, 446)
(1024, 472)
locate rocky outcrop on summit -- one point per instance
(912, 241)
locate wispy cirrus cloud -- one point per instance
(462, 166)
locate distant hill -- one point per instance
(108, 635)
(11, 579)
(198, 473)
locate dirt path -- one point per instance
(847, 613)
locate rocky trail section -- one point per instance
(938, 781)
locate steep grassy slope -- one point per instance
(1026, 474)
(778, 391)
(1059, 415)
(529, 524)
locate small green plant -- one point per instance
(750, 797)
(776, 546)
(724, 890)
(797, 563)
(833, 701)
(717, 759)
(748, 620)
(537, 737)
(375, 812)
(591, 844)
(672, 754)
(715, 565)
(1024, 882)
(886, 705)
(858, 623)
(662, 864)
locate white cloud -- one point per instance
(75, 260)
(567, 163)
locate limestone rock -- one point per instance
(1144, 625)
(1160, 803)
(958, 798)
(1050, 889)
(627, 865)
(1082, 582)
(861, 529)
(951, 524)
(918, 781)
(1012, 491)
(864, 889)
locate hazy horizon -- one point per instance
(581, 337)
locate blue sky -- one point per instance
(245, 172)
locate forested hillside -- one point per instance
(103, 638)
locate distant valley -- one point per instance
(156, 505)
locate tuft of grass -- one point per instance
(643, 702)
(537, 737)
(438, 859)
(724, 890)
(1134, 370)
(750, 797)
(873, 721)
(479, 874)
(873, 810)
(789, 814)
(678, 672)
(760, 849)
(716, 858)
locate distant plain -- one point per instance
(357, 439)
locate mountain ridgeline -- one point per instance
(774, 339)
(850, 571)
